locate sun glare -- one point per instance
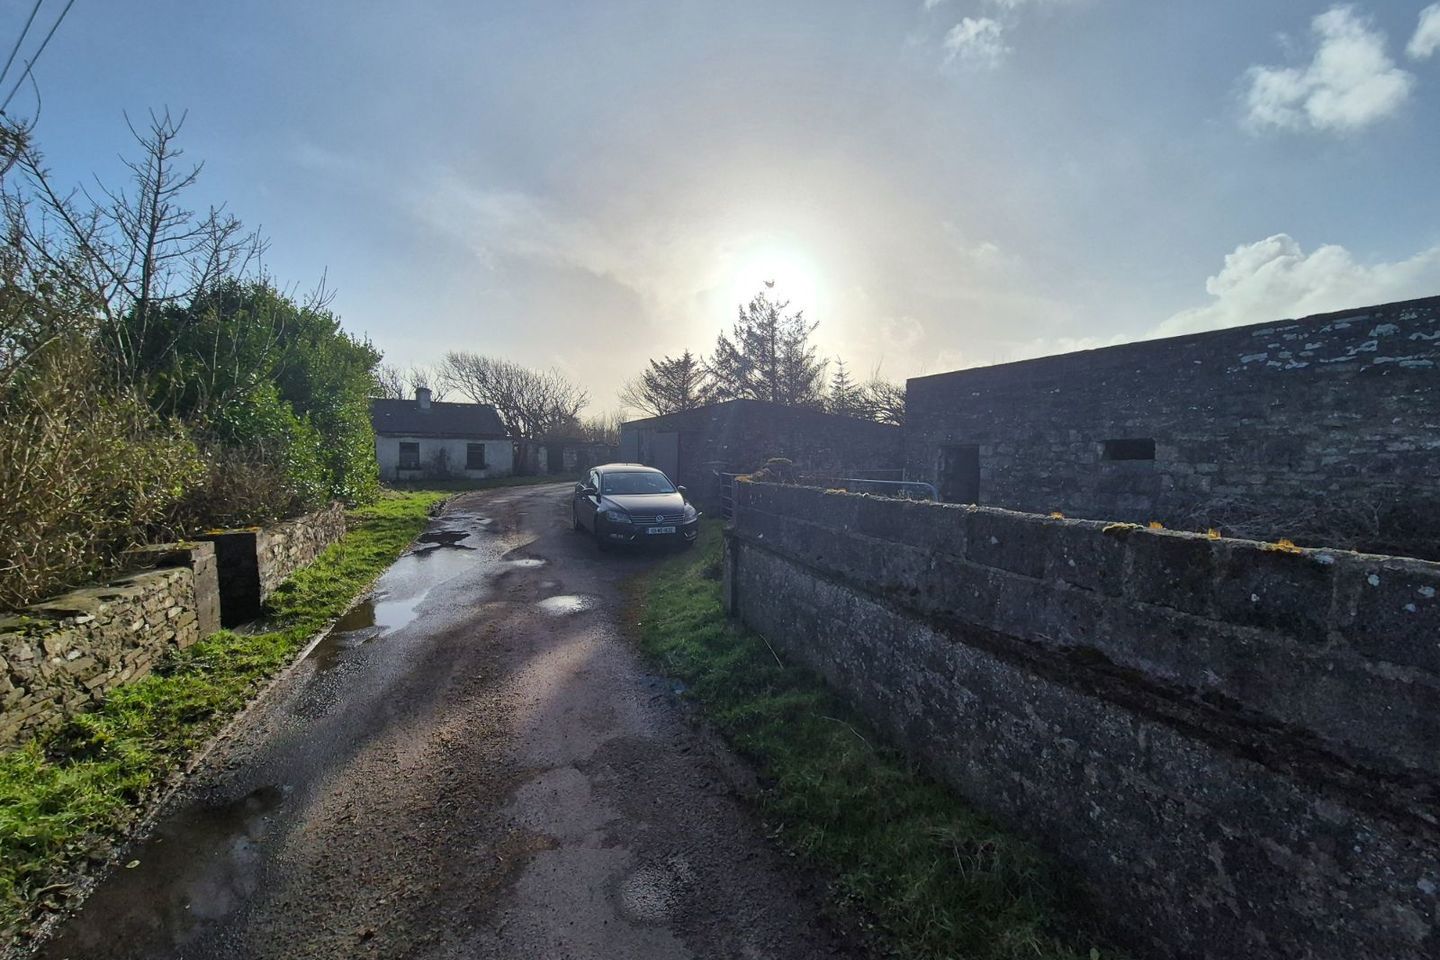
(783, 274)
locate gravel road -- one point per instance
(475, 764)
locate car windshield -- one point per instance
(632, 483)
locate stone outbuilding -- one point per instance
(421, 439)
(694, 447)
(1331, 416)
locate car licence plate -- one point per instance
(660, 530)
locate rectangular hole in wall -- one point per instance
(1130, 448)
(959, 473)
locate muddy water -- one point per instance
(439, 555)
(200, 864)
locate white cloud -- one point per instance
(1350, 83)
(932, 4)
(1275, 279)
(976, 40)
(1427, 34)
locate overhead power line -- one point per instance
(30, 64)
(20, 39)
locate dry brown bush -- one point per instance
(236, 487)
(85, 472)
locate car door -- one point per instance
(585, 506)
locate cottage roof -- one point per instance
(408, 418)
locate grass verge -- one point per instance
(67, 795)
(934, 877)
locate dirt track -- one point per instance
(477, 765)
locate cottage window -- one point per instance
(409, 455)
(474, 456)
(1130, 448)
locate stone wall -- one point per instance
(255, 560)
(1234, 744)
(64, 655)
(1287, 417)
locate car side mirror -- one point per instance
(588, 491)
(682, 491)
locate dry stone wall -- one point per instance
(1234, 744)
(62, 656)
(253, 561)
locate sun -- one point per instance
(782, 273)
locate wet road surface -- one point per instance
(473, 764)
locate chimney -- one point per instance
(422, 397)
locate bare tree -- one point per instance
(389, 382)
(885, 401)
(531, 403)
(392, 383)
(137, 248)
(429, 378)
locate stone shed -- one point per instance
(693, 446)
(1338, 413)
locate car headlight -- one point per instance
(615, 516)
(690, 513)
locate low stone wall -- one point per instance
(62, 656)
(255, 560)
(1234, 744)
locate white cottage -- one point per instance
(423, 440)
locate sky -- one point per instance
(938, 183)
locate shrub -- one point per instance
(86, 469)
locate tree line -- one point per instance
(768, 355)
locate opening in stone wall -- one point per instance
(1130, 448)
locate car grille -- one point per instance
(657, 519)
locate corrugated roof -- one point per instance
(439, 420)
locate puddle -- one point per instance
(443, 538)
(200, 866)
(524, 563)
(397, 598)
(566, 604)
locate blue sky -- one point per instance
(940, 184)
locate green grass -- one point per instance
(935, 878)
(68, 794)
